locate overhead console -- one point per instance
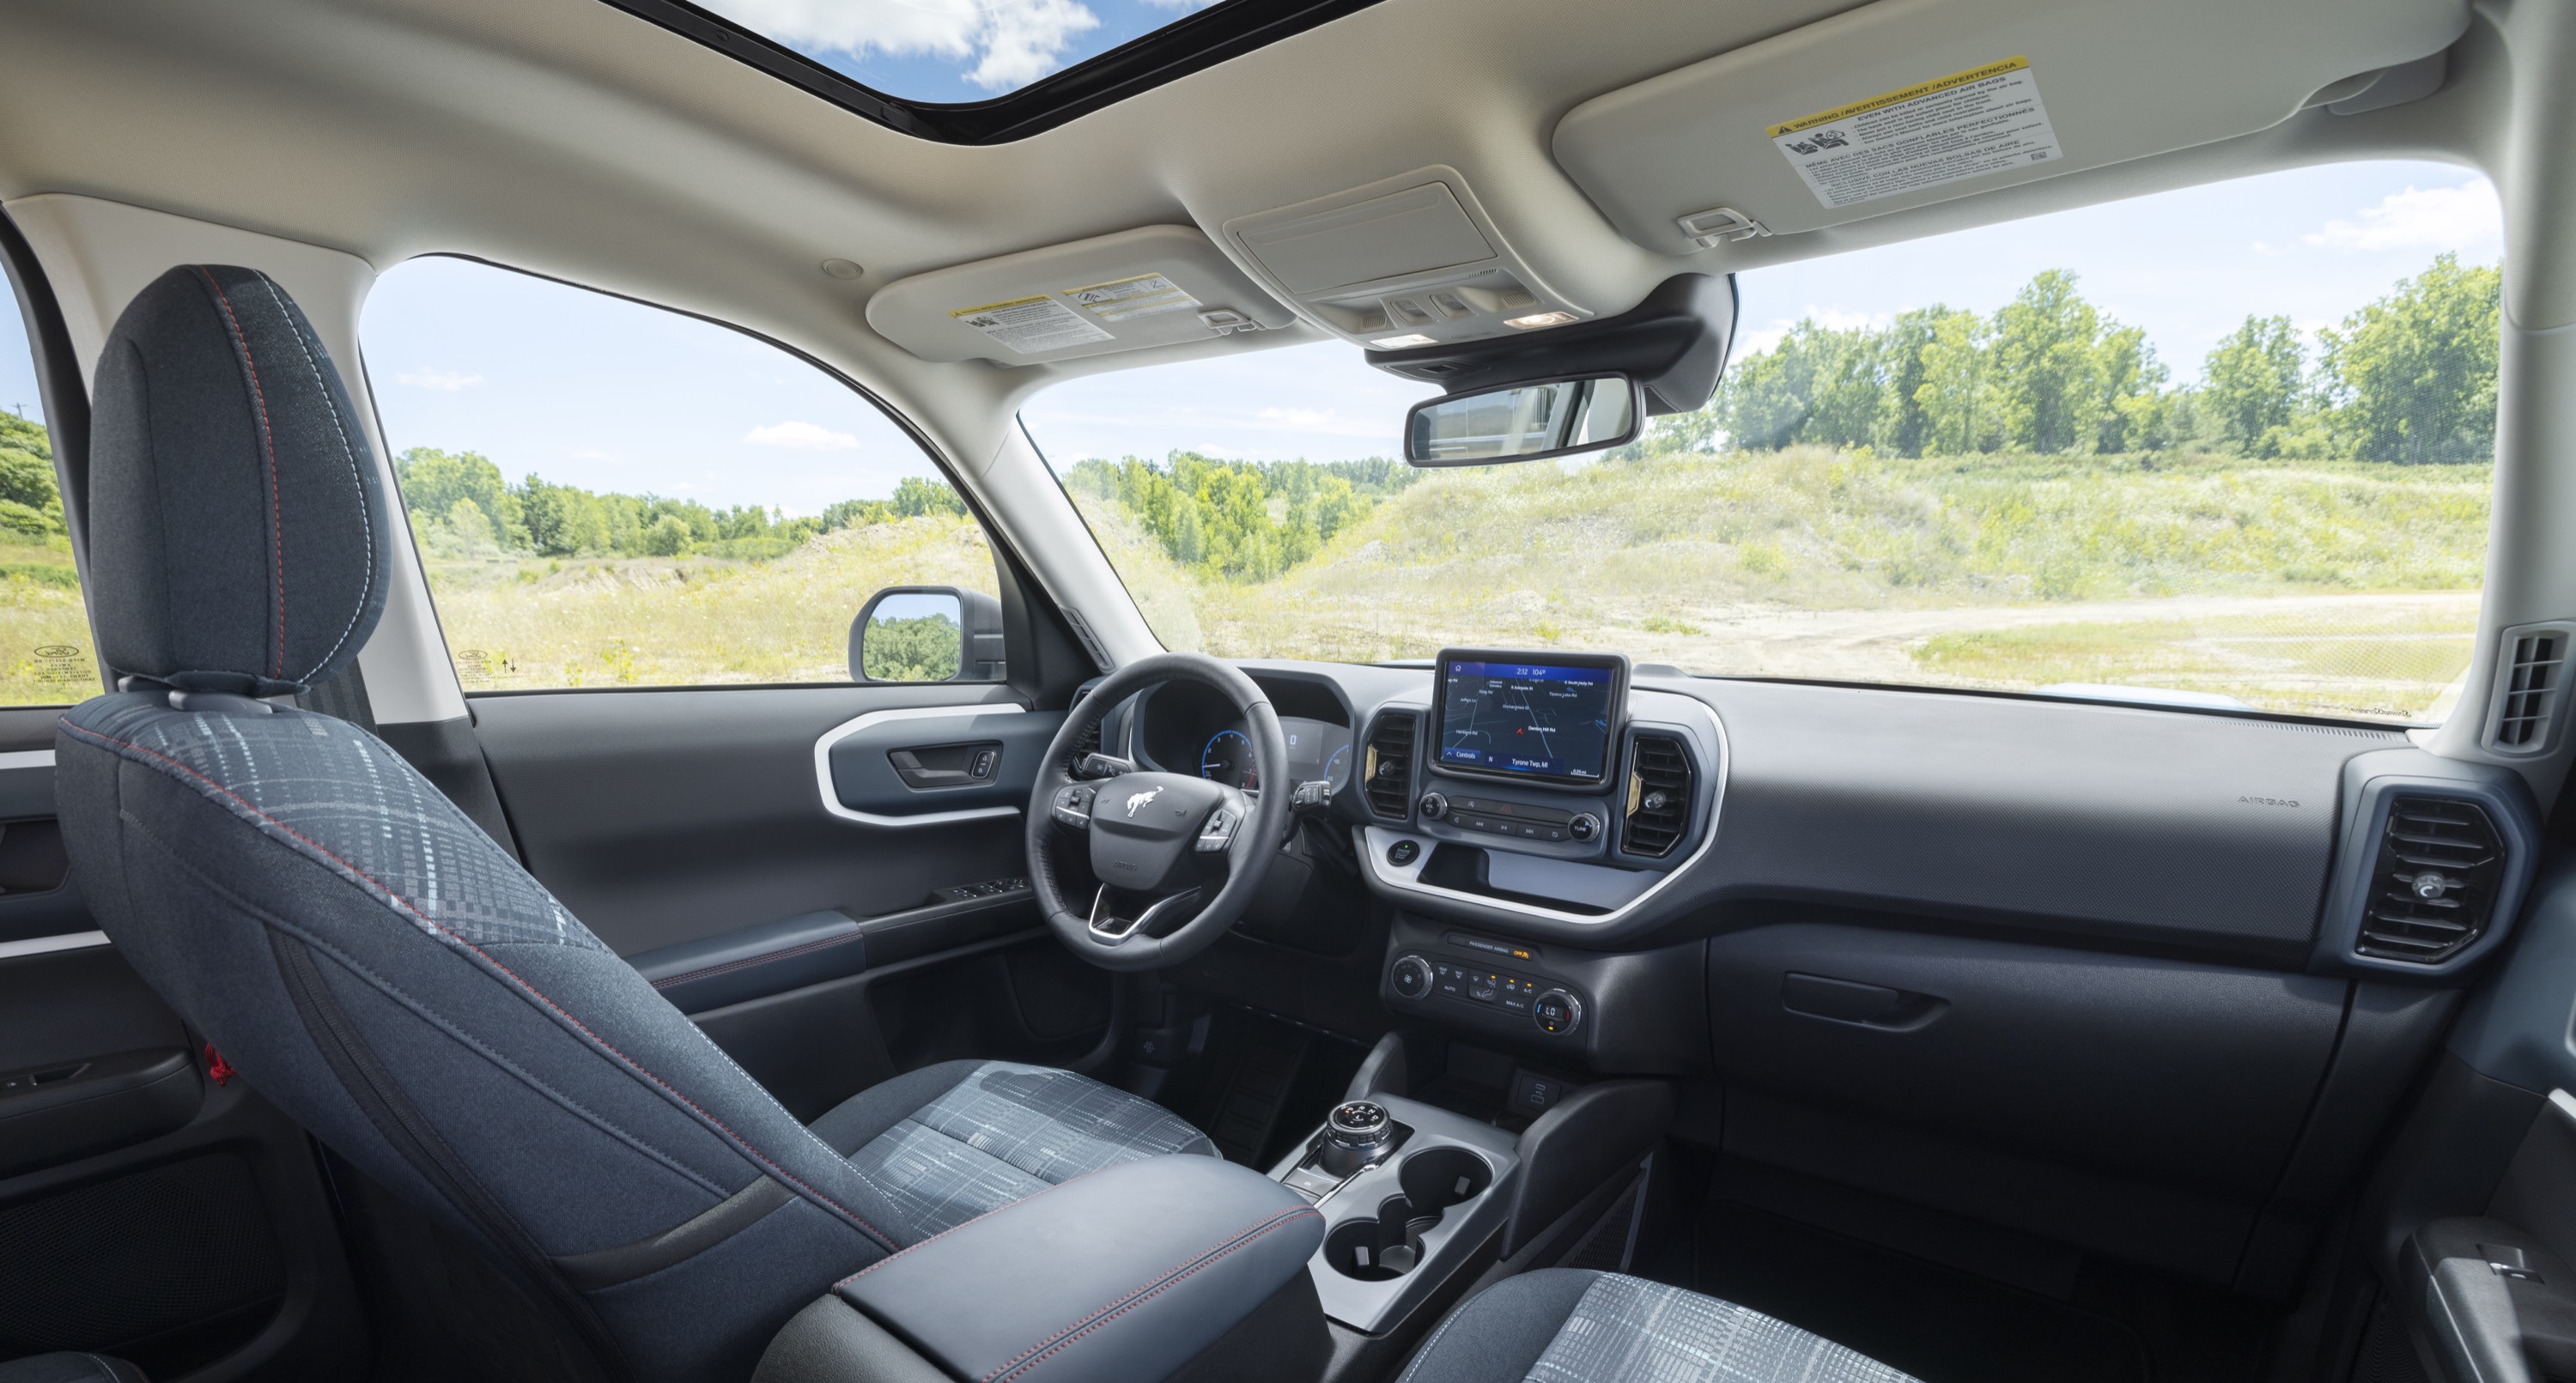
(1404, 262)
(1154, 286)
(1534, 785)
(1903, 103)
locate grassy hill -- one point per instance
(45, 656)
(2303, 585)
(514, 620)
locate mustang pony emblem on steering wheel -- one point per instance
(1140, 799)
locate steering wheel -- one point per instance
(1158, 840)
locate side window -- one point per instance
(606, 494)
(45, 654)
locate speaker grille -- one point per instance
(135, 1258)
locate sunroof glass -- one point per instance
(942, 51)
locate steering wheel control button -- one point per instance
(1434, 806)
(1218, 833)
(1072, 806)
(1557, 1013)
(1412, 977)
(1403, 853)
(1584, 826)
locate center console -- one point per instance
(1403, 1213)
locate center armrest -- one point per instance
(1123, 1274)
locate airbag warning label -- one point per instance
(1031, 325)
(1984, 120)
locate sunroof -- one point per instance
(984, 71)
(951, 51)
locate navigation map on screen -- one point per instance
(1535, 718)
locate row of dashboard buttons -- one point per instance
(1510, 818)
(1554, 1010)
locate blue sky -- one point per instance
(611, 395)
(951, 50)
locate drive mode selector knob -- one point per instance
(1557, 1013)
(1412, 977)
(1434, 806)
(1357, 1134)
(1584, 826)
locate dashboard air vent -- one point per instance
(1659, 796)
(1387, 774)
(2434, 882)
(2534, 672)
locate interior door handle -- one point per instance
(947, 765)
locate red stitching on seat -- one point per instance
(1072, 1334)
(268, 447)
(406, 905)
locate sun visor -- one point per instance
(1405, 262)
(1902, 103)
(1155, 286)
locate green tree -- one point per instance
(2254, 383)
(2047, 366)
(1957, 396)
(1904, 424)
(433, 481)
(667, 537)
(924, 649)
(2412, 377)
(915, 497)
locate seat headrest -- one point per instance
(238, 532)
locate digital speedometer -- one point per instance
(1228, 759)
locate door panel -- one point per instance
(146, 1210)
(824, 943)
(666, 817)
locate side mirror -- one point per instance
(1525, 422)
(927, 634)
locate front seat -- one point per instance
(381, 969)
(1563, 1325)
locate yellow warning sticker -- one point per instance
(1987, 119)
(1030, 325)
(1141, 296)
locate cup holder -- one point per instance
(1388, 1247)
(1382, 1249)
(1435, 1179)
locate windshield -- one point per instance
(2231, 446)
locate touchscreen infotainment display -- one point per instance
(1540, 718)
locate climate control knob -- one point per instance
(1412, 977)
(1584, 826)
(1557, 1013)
(1434, 806)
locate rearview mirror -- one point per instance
(927, 634)
(1524, 422)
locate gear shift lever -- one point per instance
(1357, 1134)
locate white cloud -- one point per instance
(1329, 422)
(447, 380)
(802, 436)
(2466, 217)
(1015, 42)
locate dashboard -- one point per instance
(1186, 728)
(1561, 798)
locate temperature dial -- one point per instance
(1412, 977)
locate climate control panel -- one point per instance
(1486, 994)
